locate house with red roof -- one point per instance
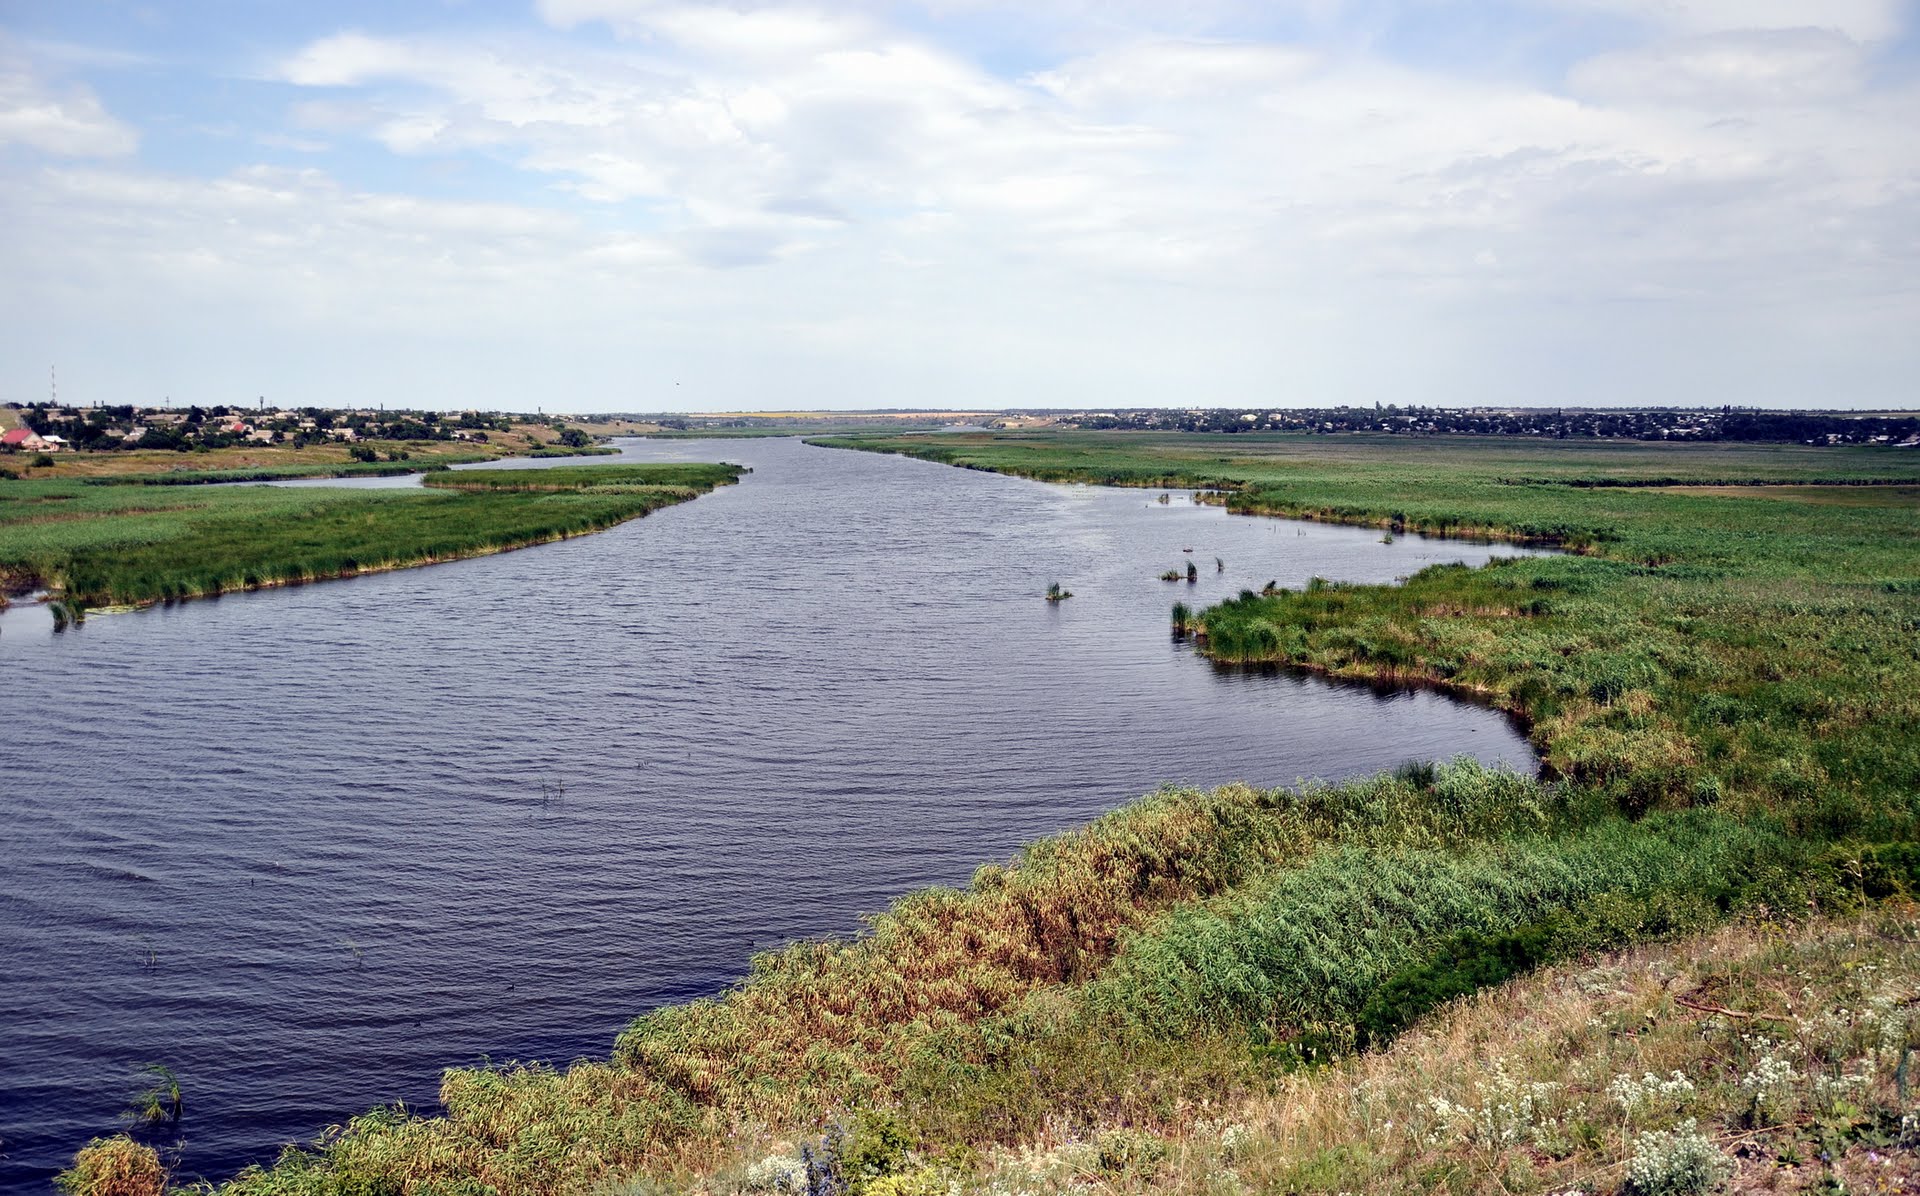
(22, 438)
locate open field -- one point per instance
(284, 461)
(116, 545)
(1216, 991)
(595, 425)
(1263, 459)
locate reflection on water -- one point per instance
(309, 846)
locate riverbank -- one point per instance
(1701, 647)
(134, 544)
(1121, 992)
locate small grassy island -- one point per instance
(118, 541)
(1683, 956)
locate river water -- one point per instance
(307, 847)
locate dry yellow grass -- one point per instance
(595, 426)
(1782, 1044)
(261, 456)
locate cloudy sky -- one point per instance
(676, 205)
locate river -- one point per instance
(306, 847)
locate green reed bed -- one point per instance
(1212, 1001)
(591, 450)
(1760, 647)
(130, 545)
(693, 476)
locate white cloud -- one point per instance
(349, 58)
(1175, 72)
(828, 199)
(69, 121)
(1251, 168)
(1861, 20)
(1727, 69)
(756, 36)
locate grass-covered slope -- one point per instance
(1757, 1058)
(1192, 949)
(133, 544)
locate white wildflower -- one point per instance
(1650, 1092)
(1770, 1083)
(1677, 1162)
(777, 1173)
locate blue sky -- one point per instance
(669, 204)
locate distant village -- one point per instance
(1704, 424)
(47, 428)
(51, 428)
(1900, 429)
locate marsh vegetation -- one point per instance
(1690, 647)
(1300, 988)
(134, 543)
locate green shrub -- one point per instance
(1309, 946)
(1134, 1154)
(1467, 963)
(926, 1181)
(877, 1146)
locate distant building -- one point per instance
(24, 438)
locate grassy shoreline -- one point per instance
(1180, 960)
(1652, 662)
(133, 545)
